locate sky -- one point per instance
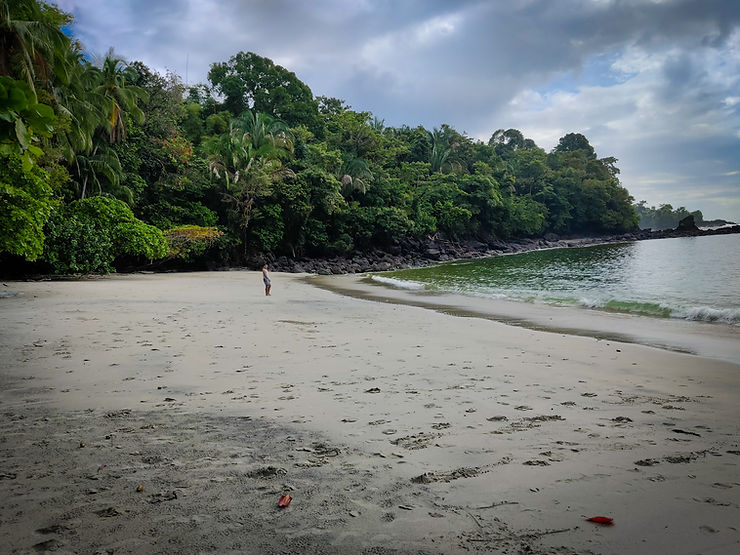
(653, 83)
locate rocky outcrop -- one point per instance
(412, 253)
(687, 224)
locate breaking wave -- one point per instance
(400, 283)
(708, 314)
(698, 313)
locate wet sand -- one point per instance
(395, 428)
(709, 340)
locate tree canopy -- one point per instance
(251, 82)
(251, 162)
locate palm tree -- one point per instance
(84, 138)
(118, 96)
(269, 137)
(100, 169)
(377, 124)
(247, 159)
(32, 48)
(439, 157)
(96, 102)
(354, 175)
(84, 109)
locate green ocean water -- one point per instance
(693, 278)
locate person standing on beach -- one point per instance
(266, 279)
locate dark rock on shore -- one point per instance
(687, 224)
(717, 223)
(411, 253)
(414, 253)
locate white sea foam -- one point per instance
(480, 293)
(709, 314)
(590, 303)
(401, 284)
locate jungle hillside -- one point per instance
(106, 164)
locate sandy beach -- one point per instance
(167, 413)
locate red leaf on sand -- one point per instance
(601, 520)
(285, 500)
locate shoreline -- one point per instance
(396, 429)
(408, 253)
(411, 253)
(703, 339)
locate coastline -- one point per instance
(395, 428)
(411, 253)
(703, 339)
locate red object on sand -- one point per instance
(601, 520)
(285, 500)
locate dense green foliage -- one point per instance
(88, 235)
(252, 162)
(25, 205)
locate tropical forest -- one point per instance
(106, 164)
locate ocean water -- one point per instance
(692, 278)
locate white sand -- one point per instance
(519, 434)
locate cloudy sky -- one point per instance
(654, 83)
